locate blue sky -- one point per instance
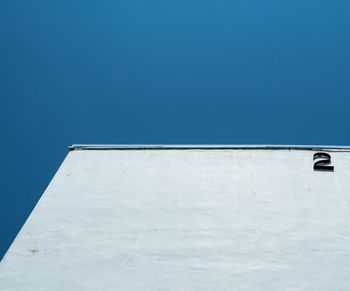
(185, 71)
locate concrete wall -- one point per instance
(196, 219)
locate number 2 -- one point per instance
(322, 162)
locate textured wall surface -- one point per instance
(187, 220)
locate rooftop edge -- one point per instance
(80, 147)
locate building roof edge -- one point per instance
(76, 147)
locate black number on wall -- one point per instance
(323, 162)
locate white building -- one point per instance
(138, 218)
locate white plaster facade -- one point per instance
(178, 218)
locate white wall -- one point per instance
(187, 220)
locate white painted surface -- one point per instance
(141, 220)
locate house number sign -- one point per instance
(322, 162)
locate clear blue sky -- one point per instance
(184, 71)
